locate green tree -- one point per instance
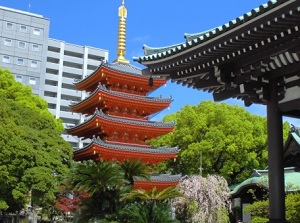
(260, 209)
(33, 155)
(231, 140)
(147, 212)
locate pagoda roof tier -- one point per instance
(115, 151)
(160, 181)
(111, 127)
(121, 74)
(120, 103)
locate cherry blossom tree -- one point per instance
(206, 199)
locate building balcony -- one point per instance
(72, 70)
(50, 100)
(52, 77)
(69, 115)
(72, 60)
(54, 66)
(51, 88)
(67, 80)
(73, 93)
(53, 54)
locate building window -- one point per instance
(7, 42)
(19, 78)
(6, 59)
(35, 47)
(9, 25)
(34, 63)
(22, 45)
(20, 61)
(36, 31)
(23, 29)
(32, 80)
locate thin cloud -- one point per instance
(140, 39)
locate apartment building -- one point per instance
(23, 46)
(48, 65)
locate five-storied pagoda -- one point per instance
(118, 114)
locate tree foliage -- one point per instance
(110, 196)
(232, 141)
(205, 199)
(260, 209)
(154, 194)
(147, 212)
(32, 152)
(149, 206)
(103, 182)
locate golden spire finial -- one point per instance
(121, 51)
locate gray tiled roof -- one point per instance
(119, 67)
(125, 68)
(123, 95)
(160, 178)
(99, 113)
(114, 146)
(135, 122)
(198, 38)
(260, 177)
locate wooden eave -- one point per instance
(108, 76)
(102, 125)
(108, 100)
(90, 82)
(149, 185)
(108, 151)
(107, 154)
(239, 60)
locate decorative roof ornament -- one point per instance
(121, 51)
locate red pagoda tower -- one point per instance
(118, 111)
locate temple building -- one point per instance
(117, 111)
(256, 186)
(254, 58)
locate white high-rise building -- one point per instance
(48, 65)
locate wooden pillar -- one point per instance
(275, 158)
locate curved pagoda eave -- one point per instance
(160, 181)
(99, 149)
(109, 75)
(104, 98)
(101, 124)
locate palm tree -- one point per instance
(91, 177)
(103, 182)
(146, 213)
(150, 206)
(135, 168)
(154, 194)
(107, 182)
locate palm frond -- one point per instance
(135, 168)
(154, 194)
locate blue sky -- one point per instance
(156, 23)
